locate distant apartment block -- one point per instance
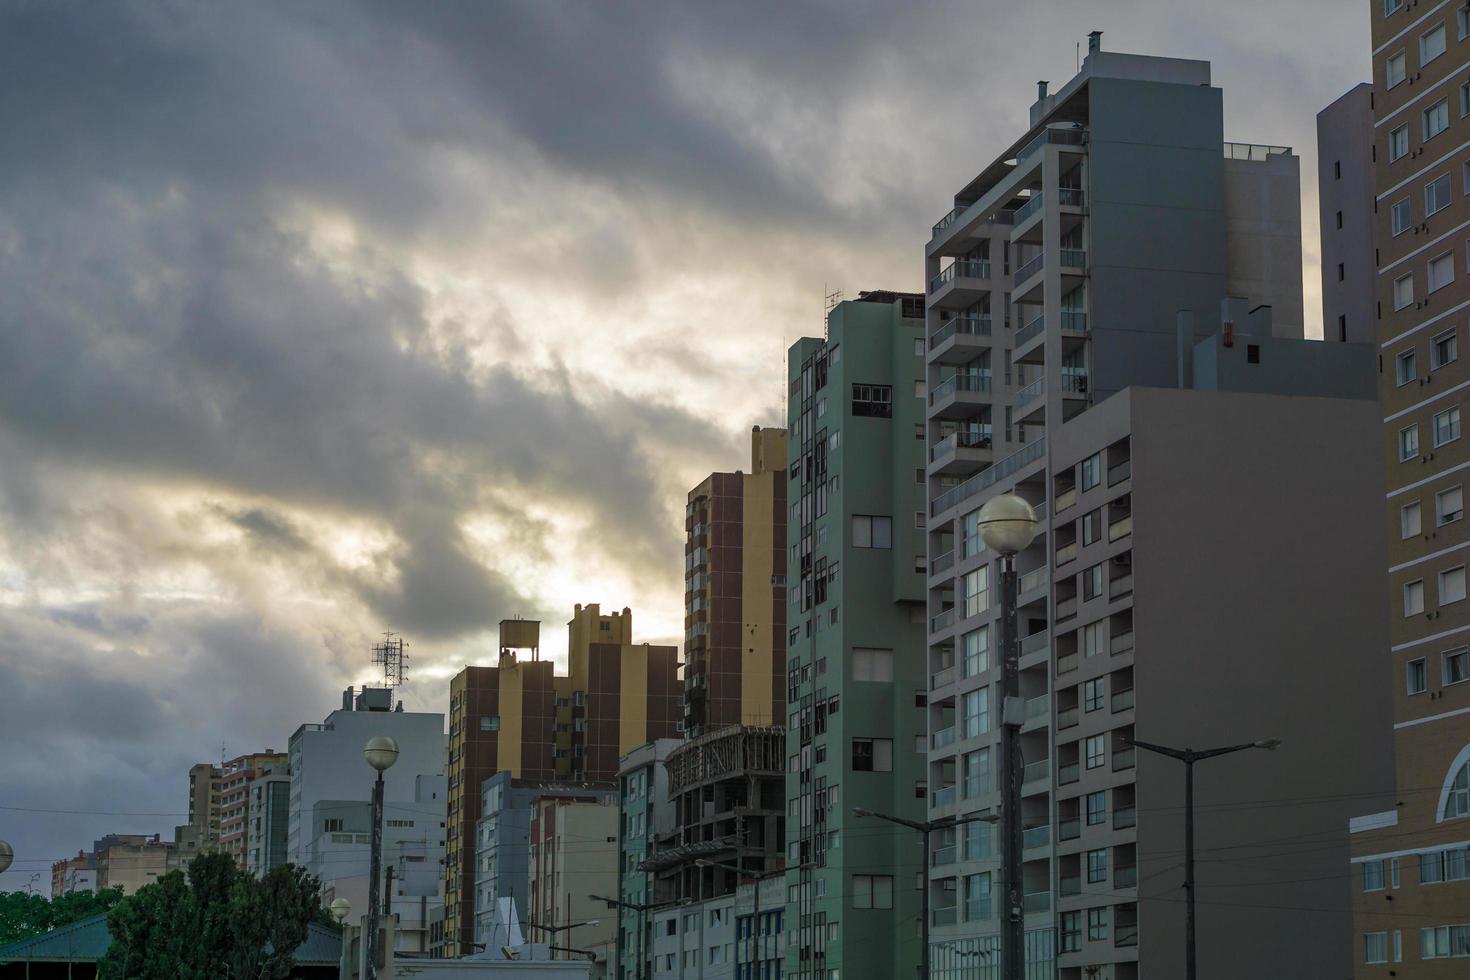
(1194, 581)
(574, 855)
(268, 816)
(735, 593)
(234, 801)
(1345, 183)
(202, 831)
(78, 874)
(129, 863)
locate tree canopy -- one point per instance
(23, 915)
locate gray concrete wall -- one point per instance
(1257, 613)
(1263, 236)
(1345, 184)
(1286, 367)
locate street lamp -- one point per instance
(340, 909)
(380, 752)
(925, 828)
(7, 856)
(1008, 526)
(1189, 757)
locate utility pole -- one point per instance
(1189, 757)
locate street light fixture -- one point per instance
(1189, 757)
(7, 856)
(553, 930)
(925, 828)
(1008, 526)
(380, 752)
(340, 909)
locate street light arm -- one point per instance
(1180, 754)
(901, 821)
(1224, 750)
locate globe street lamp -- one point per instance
(380, 752)
(7, 857)
(340, 910)
(1008, 526)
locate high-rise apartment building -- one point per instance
(647, 816)
(521, 717)
(1345, 206)
(1190, 583)
(855, 670)
(268, 814)
(735, 593)
(202, 830)
(234, 801)
(1412, 860)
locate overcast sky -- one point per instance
(322, 319)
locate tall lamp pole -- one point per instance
(925, 828)
(1189, 757)
(380, 752)
(1008, 526)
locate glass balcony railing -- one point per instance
(1066, 608)
(943, 856)
(1070, 197)
(940, 678)
(1120, 529)
(1119, 472)
(1074, 381)
(942, 621)
(945, 797)
(1064, 137)
(1036, 771)
(949, 219)
(945, 917)
(1067, 662)
(1125, 817)
(1069, 829)
(1074, 321)
(943, 737)
(1069, 885)
(1036, 902)
(972, 383)
(1035, 579)
(973, 326)
(1038, 707)
(1036, 836)
(1121, 643)
(1035, 643)
(1068, 774)
(943, 562)
(1074, 258)
(1029, 208)
(979, 439)
(1124, 759)
(961, 268)
(1125, 876)
(986, 478)
(1030, 330)
(1028, 270)
(1066, 718)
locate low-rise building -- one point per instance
(130, 864)
(78, 874)
(574, 855)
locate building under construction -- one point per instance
(728, 797)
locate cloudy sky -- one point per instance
(323, 319)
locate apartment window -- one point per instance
(1403, 291)
(1405, 367)
(1097, 808)
(918, 346)
(1375, 947)
(872, 755)
(1095, 638)
(1443, 349)
(332, 825)
(872, 532)
(1372, 876)
(1464, 99)
(1402, 216)
(1416, 676)
(1457, 805)
(977, 897)
(1446, 426)
(976, 648)
(1437, 195)
(1398, 142)
(1341, 276)
(1436, 119)
(977, 591)
(976, 707)
(1441, 272)
(1456, 666)
(1092, 580)
(1097, 924)
(1097, 866)
(976, 778)
(1408, 443)
(919, 520)
(1391, 6)
(872, 401)
(1431, 44)
(919, 384)
(1414, 597)
(1395, 68)
(1096, 748)
(1094, 695)
(977, 841)
(1092, 528)
(1462, 17)
(1071, 935)
(1091, 471)
(1449, 506)
(872, 665)
(1409, 523)
(919, 431)
(872, 891)
(1443, 942)
(489, 723)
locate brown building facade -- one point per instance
(1411, 863)
(734, 598)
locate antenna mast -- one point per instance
(390, 653)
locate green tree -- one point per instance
(23, 915)
(218, 922)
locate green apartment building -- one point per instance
(855, 640)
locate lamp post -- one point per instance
(755, 914)
(553, 930)
(1008, 526)
(341, 909)
(380, 752)
(925, 828)
(1189, 757)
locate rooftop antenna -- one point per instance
(390, 653)
(829, 303)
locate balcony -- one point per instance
(1125, 935)
(1038, 707)
(948, 219)
(960, 339)
(1036, 902)
(943, 563)
(1074, 321)
(1125, 876)
(1124, 759)
(1067, 662)
(1036, 772)
(1071, 197)
(1074, 383)
(944, 737)
(1032, 206)
(1074, 259)
(963, 282)
(1062, 137)
(1119, 472)
(1036, 836)
(1067, 718)
(982, 481)
(1066, 608)
(1066, 775)
(1029, 394)
(1036, 643)
(1069, 885)
(960, 397)
(1026, 271)
(1125, 817)
(1120, 529)
(941, 678)
(961, 452)
(1120, 586)
(941, 622)
(943, 856)
(1069, 829)
(1035, 579)
(945, 797)
(1066, 553)
(1066, 499)
(942, 917)
(1122, 700)
(1120, 644)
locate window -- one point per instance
(977, 838)
(872, 401)
(872, 665)
(872, 755)
(1092, 528)
(1443, 349)
(919, 384)
(1096, 751)
(1391, 6)
(1372, 876)
(919, 431)
(977, 591)
(919, 520)
(1403, 216)
(1403, 291)
(1456, 668)
(1409, 520)
(1449, 506)
(1091, 471)
(1097, 924)
(332, 825)
(1462, 17)
(1436, 119)
(1447, 865)
(1097, 808)
(489, 723)
(1395, 68)
(1457, 803)
(976, 706)
(1097, 866)
(1416, 676)
(1405, 366)
(918, 346)
(1408, 443)
(1071, 939)
(872, 891)
(1441, 272)
(1464, 99)
(976, 773)
(1431, 44)
(1398, 143)
(1253, 351)
(1441, 942)
(976, 647)
(1095, 638)
(1375, 947)
(1092, 580)
(1446, 426)
(977, 897)
(872, 532)
(1437, 198)
(1093, 696)
(1414, 597)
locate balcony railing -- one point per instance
(1067, 662)
(967, 268)
(1038, 707)
(983, 480)
(1028, 270)
(1034, 579)
(1120, 529)
(1119, 472)
(973, 326)
(1036, 836)
(1030, 393)
(1125, 817)
(949, 219)
(1254, 151)
(1030, 207)
(1066, 553)
(942, 622)
(1123, 700)
(1031, 329)
(1065, 137)
(1068, 774)
(945, 917)
(943, 856)
(1036, 902)
(1124, 759)
(1069, 885)
(1066, 608)
(1074, 321)
(1067, 718)
(1066, 499)
(960, 440)
(1074, 258)
(943, 737)
(1125, 876)
(1070, 197)
(961, 382)
(940, 678)
(1035, 643)
(1122, 585)
(1074, 382)
(1126, 935)
(1035, 771)
(1122, 643)
(946, 796)
(1069, 829)
(941, 563)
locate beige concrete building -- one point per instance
(130, 864)
(574, 854)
